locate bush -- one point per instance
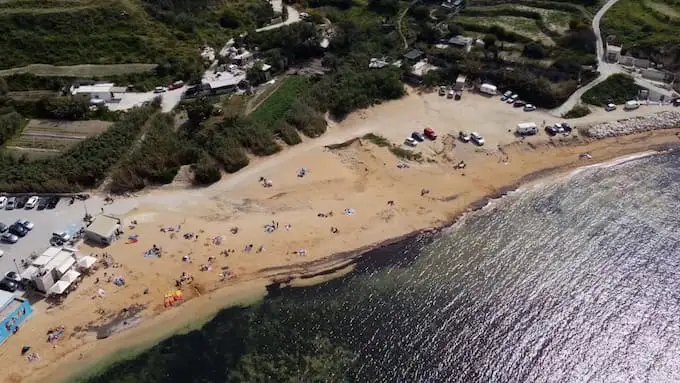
(10, 124)
(617, 88)
(534, 51)
(307, 120)
(206, 171)
(577, 111)
(406, 154)
(287, 133)
(377, 140)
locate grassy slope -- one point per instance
(635, 23)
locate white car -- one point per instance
(410, 141)
(160, 89)
(464, 136)
(30, 204)
(477, 138)
(64, 236)
(3, 202)
(610, 107)
(512, 98)
(1, 253)
(529, 108)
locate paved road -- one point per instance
(293, 17)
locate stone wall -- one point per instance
(661, 120)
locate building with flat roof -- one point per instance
(13, 312)
(103, 229)
(613, 53)
(98, 91)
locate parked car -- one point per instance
(676, 101)
(418, 136)
(518, 104)
(554, 129)
(430, 133)
(507, 94)
(11, 203)
(3, 202)
(458, 95)
(52, 202)
(464, 136)
(160, 89)
(1, 253)
(442, 91)
(631, 105)
(610, 107)
(3, 227)
(62, 235)
(28, 225)
(18, 230)
(529, 108)
(512, 98)
(176, 85)
(8, 285)
(9, 238)
(450, 93)
(477, 138)
(21, 202)
(13, 276)
(409, 141)
(30, 204)
(42, 204)
(566, 128)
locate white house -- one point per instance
(613, 53)
(96, 92)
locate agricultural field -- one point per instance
(45, 138)
(520, 25)
(276, 106)
(84, 70)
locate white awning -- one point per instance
(59, 287)
(63, 268)
(70, 276)
(29, 272)
(86, 261)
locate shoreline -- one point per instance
(356, 176)
(331, 266)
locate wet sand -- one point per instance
(361, 177)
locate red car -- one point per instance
(430, 133)
(176, 85)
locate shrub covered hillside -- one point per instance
(617, 88)
(165, 32)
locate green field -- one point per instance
(646, 28)
(279, 103)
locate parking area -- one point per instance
(128, 100)
(64, 217)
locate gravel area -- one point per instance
(661, 120)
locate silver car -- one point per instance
(9, 238)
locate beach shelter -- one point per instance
(59, 287)
(70, 276)
(86, 262)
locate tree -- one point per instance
(534, 51)
(490, 40)
(4, 89)
(199, 111)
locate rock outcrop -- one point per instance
(661, 120)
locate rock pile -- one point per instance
(661, 120)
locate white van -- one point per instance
(527, 129)
(631, 105)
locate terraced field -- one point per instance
(44, 138)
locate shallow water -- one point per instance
(567, 281)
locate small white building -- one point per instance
(613, 53)
(488, 89)
(97, 92)
(103, 229)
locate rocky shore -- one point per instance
(661, 120)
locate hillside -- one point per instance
(70, 32)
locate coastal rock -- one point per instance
(661, 120)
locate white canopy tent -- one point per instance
(70, 276)
(59, 287)
(65, 266)
(86, 261)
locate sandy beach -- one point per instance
(350, 199)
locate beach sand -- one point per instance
(359, 176)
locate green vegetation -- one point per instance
(377, 140)
(645, 30)
(577, 111)
(617, 88)
(84, 166)
(156, 158)
(10, 123)
(279, 103)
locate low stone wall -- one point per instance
(661, 120)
